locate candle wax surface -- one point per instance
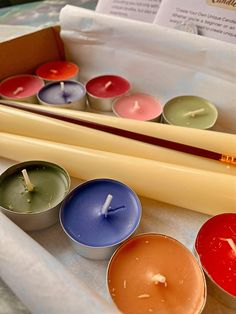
(30, 84)
(96, 86)
(57, 70)
(53, 95)
(83, 221)
(50, 183)
(133, 266)
(216, 256)
(174, 112)
(149, 107)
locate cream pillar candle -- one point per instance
(204, 191)
(211, 140)
(25, 123)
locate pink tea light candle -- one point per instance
(22, 87)
(102, 91)
(58, 71)
(138, 106)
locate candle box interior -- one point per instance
(26, 53)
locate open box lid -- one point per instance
(24, 54)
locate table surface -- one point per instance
(17, 20)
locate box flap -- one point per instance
(24, 54)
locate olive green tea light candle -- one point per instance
(31, 193)
(190, 111)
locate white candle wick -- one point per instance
(158, 278)
(106, 204)
(62, 86)
(136, 106)
(231, 244)
(18, 90)
(108, 84)
(194, 113)
(53, 71)
(28, 183)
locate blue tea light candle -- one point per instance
(63, 94)
(98, 215)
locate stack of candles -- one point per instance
(147, 273)
(106, 93)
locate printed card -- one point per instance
(212, 18)
(142, 10)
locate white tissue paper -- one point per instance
(41, 267)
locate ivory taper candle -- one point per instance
(205, 191)
(24, 123)
(210, 140)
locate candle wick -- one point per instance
(53, 71)
(106, 205)
(62, 86)
(136, 106)
(108, 84)
(18, 90)
(158, 278)
(28, 183)
(194, 113)
(231, 244)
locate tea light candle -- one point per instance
(138, 106)
(22, 87)
(98, 215)
(31, 192)
(58, 71)
(63, 94)
(102, 91)
(190, 111)
(154, 273)
(216, 249)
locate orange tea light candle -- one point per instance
(58, 71)
(154, 273)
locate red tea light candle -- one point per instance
(216, 249)
(22, 87)
(154, 273)
(138, 106)
(102, 91)
(58, 71)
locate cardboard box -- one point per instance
(24, 54)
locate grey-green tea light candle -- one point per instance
(30, 193)
(190, 111)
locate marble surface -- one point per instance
(9, 303)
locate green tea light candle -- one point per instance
(31, 193)
(190, 111)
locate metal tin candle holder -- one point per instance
(190, 111)
(138, 106)
(140, 282)
(214, 245)
(23, 87)
(56, 71)
(63, 94)
(103, 90)
(55, 180)
(93, 233)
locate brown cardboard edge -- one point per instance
(24, 54)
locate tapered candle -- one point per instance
(215, 141)
(195, 189)
(23, 123)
